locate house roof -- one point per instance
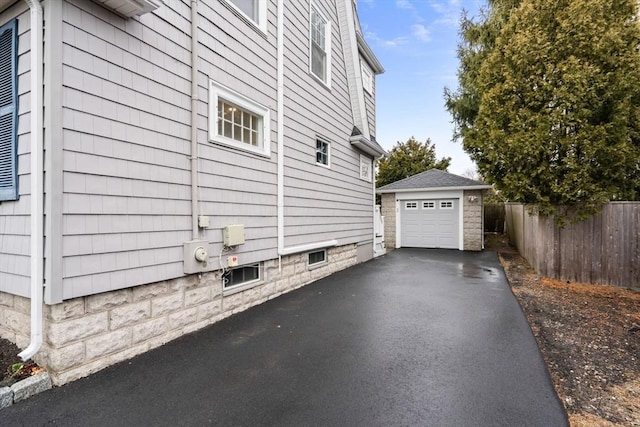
(432, 180)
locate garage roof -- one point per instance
(432, 180)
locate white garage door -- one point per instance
(429, 223)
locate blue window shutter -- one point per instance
(8, 112)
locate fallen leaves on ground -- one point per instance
(589, 336)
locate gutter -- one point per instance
(37, 180)
(195, 232)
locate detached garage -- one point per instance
(434, 209)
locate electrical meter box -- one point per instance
(233, 235)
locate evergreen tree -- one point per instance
(548, 104)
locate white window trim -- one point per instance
(327, 46)
(317, 264)
(411, 208)
(239, 287)
(216, 91)
(433, 205)
(367, 83)
(315, 152)
(367, 159)
(262, 14)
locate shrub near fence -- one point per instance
(603, 249)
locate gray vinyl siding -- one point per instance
(126, 190)
(237, 187)
(320, 203)
(14, 215)
(126, 113)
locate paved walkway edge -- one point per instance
(24, 389)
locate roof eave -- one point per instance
(363, 144)
(368, 55)
(427, 189)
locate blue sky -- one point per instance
(416, 40)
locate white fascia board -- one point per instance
(431, 189)
(366, 146)
(368, 55)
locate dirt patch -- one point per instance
(589, 336)
(12, 369)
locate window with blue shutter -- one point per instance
(8, 112)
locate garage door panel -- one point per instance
(430, 223)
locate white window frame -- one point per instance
(243, 285)
(324, 141)
(446, 204)
(411, 206)
(261, 23)
(367, 77)
(217, 91)
(311, 265)
(428, 205)
(369, 163)
(327, 46)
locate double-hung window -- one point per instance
(322, 153)
(254, 10)
(320, 50)
(8, 112)
(237, 121)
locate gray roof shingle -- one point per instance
(431, 179)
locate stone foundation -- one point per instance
(473, 227)
(87, 334)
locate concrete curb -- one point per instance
(24, 389)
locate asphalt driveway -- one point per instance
(415, 338)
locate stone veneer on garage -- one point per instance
(85, 335)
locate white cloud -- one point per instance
(386, 43)
(420, 32)
(405, 4)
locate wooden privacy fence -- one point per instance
(603, 249)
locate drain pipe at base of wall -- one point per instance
(37, 180)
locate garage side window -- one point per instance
(411, 205)
(446, 205)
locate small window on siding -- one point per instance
(237, 121)
(240, 276)
(323, 151)
(428, 205)
(8, 112)
(366, 172)
(446, 205)
(367, 78)
(411, 206)
(320, 46)
(254, 10)
(317, 257)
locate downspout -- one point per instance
(280, 118)
(282, 250)
(194, 122)
(37, 181)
